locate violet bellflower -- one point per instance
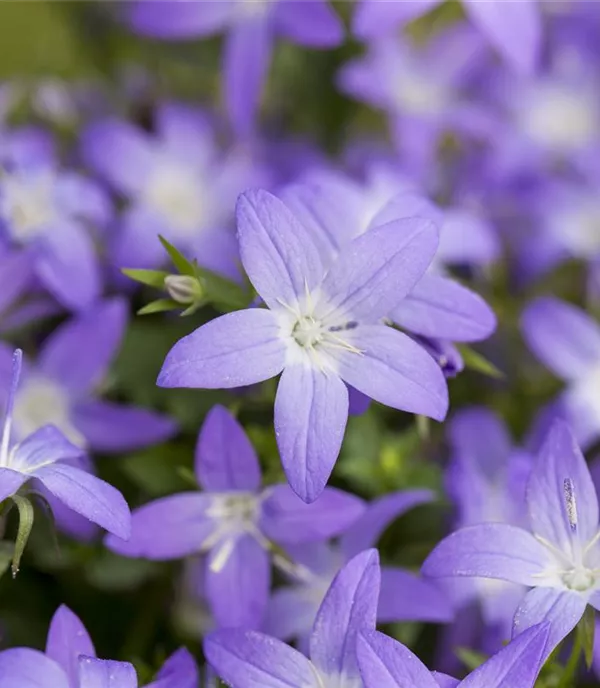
(322, 328)
(486, 479)
(422, 90)
(386, 663)
(558, 556)
(60, 388)
(48, 213)
(513, 28)
(251, 27)
(69, 661)
(43, 457)
(403, 596)
(233, 522)
(16, 272)
(178, 183)
(248, 659)
(567, 341)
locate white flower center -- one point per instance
(176, 192)
(27, 204)
(308, 332)
(560, 117)
(579, 578)
(419, 94)
(42, 402)
(250, 9)
(577, 228)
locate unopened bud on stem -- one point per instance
(183, 288)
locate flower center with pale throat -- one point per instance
(308, 332)
(27, 204)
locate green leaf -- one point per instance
(152, 278)
(184, 266)
(26, 517)
(475, 361)
(586, 628)
(7, 552)
(159, 306)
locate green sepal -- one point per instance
(585, 629)
(26, 517)
(470, 658)
(7, 553)
(475, 361)
(184, 266)
(223, 293)
(159, 306)
(151, 278)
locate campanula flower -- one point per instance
(178, 183)
(386, 663)
(322, 329)
(567, 341)
(69, 661)
(61, 387)
(44, 457)
(513, 28)
(247, 659)
(558, 556)
(251, 27)
(233, 521)
(403, 596)
(49, 213)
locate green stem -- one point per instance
(566, 680)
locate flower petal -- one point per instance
(67, 639)
(16, 271)
(248, 49)
(24, 668)
(68, 265)
(279, 255)
(286, 519)
(237, 589)
(377, 270)
(517, 665)
(104, 673)
(374, 18)
(314, 24)
(514, 28)
(78, 354)
(350, 606)
(386, 663)
(406, 597)
(366, 531)
(493, 550)
(168, 528)
(120, 153)
(114, 428)
(247, 659)
(136, 244)
(562, 336)
(89, 496)
(291, 612)
(10, 482)
(179, 671)
(559, 511)
(45, 446)
(311, 411)
(442, 308)
(235, 350)
(562, 609)
(393, 370)
(169, 20)
(225, 457)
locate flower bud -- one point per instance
(183, 288)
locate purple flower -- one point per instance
(15, 276)
(69, 661)
(386, 663)
(337, 209)
(60, 388)
(178, 184)
(247, 659)
(47, 212)
(322, 328)
(251, 26)
(233, 522)
(567, 340)
(422, 90)
(558, 557)
(513, 28)
(43, 457)
(403, 597)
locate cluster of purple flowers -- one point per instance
(366, 282)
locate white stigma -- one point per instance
(570, 503)
(27, 204)
(43, 402)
